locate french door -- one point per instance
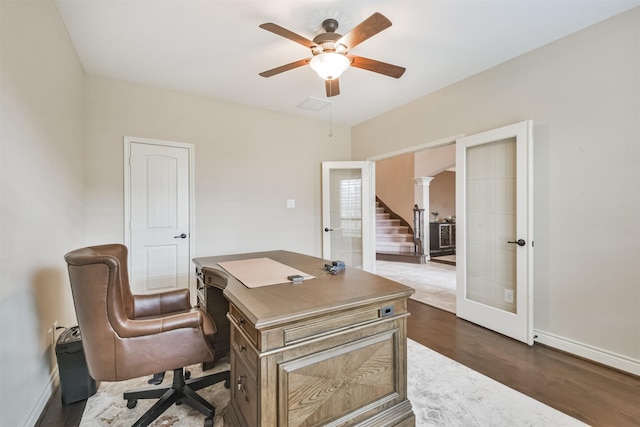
(494, 212)
(347, 209)
(158, 200)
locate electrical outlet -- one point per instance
(53, 332)
(508, 296)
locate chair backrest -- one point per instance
(117, 345)
(102, 299)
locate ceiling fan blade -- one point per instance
(376, 66)
(286, 67)
(366, 29)
(332, 87)
(277, 29)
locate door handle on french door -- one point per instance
(328, 229)
(182, 236)
(518, 242)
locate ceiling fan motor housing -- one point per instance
(326, 42)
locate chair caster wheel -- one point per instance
(131, 403)
(227, 384)
(208, 422)
(187, 375)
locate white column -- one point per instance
(422, 200)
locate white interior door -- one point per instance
(494, 206)
(347, 232)
(159, 208)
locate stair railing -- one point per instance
(418, 227)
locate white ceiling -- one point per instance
(214, 48)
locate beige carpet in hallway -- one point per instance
(435, 283)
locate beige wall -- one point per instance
(42, 206)
(395, 185)
(432, 161)
(582, 93)
(248, 163)
(442, 195)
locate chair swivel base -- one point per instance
(181, 391)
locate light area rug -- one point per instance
(108, 408)
(442, 393)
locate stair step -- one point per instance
(383, 215)
(392, 230)
(394, 238)
(388, 223)
(395, 247)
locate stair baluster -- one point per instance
(418, 227)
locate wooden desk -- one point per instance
(329, 351)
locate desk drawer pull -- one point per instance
(241, 388)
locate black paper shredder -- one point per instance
(75, 382)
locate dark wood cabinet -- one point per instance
(442, 238)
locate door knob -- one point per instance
(328, 229)
(182, 236)
(518, 242)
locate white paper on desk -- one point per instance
(256, 272)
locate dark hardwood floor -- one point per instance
(58, 415)
(592, 393)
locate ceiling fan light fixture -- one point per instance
(329, 65)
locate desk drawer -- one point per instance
(245, 393)
(243, 323)
(245, 351)
(329, 324)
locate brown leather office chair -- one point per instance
(128, 336)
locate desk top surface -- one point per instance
(271, 305)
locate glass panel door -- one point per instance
(346, 216)
(494, 213)
(491, 222)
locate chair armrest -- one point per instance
(157, 304)
(138, 328)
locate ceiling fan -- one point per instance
(330, 51)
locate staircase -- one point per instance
(394, 241)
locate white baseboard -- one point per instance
(585, 351)
(46, 394)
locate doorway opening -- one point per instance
(420, 177)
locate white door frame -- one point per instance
(128, 141)
(368, 210)
(416, 148)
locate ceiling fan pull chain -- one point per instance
(330, 112)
